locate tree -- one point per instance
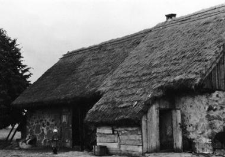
(13, 79)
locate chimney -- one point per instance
(170, 16)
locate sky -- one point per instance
(47, 29)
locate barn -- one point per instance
(158, 90)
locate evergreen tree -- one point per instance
(13, 79)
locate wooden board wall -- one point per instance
(120, 140)
(216, 78)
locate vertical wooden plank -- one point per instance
(153, 128)
(223, 72)
(177, 132)
(144, 134)
(216, 77)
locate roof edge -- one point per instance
(112, 41)
(180, 20)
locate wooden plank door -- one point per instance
(152, 130)
(177, 131)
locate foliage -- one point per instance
(13, 79)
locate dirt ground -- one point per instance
(44, 153)
(48, 153)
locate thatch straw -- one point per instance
(79, 73)
(131, 71)
(176, 54)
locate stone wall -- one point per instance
(41, 123)
(202, 117)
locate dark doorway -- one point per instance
(81, 133)
(84, 135)
(77, 127)
(219, 141)
(166, 130)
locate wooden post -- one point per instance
(144, 134)
(177, 131)
(14, 133)
(10, 132)
(153, 128)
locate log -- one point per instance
(129, 137)
(105, 130)
(124, 131)
(130, 148)
(107, 138)
(137, 142)
(109, 145)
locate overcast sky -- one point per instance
(47, 29)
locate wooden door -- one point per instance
(150, 130)
(177, 131)
(166, 130)
(66, 128)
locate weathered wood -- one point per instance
(114, 151)
(144, 134)
(216, 78)
(14, 133)
(124, 131)
(177, 131)
(109, 145)
(153, 128)
(137, 142)
(222, 73)
(105, 130)
(10, 132)
(132, 137)
(126, 128)
(107, 138)
(131, 148)
(112, 148)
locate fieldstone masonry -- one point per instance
(203, 116)
(41, 124)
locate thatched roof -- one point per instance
(176, 54)
(129, 72)
(78, 74)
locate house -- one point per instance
(161, 89)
